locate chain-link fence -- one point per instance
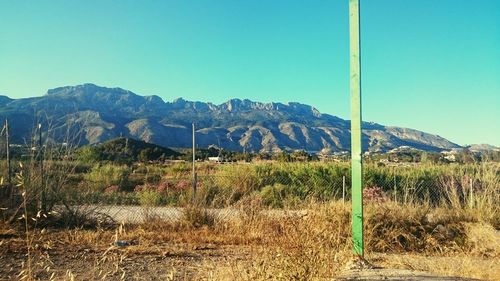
(288, 189)
(158, 190)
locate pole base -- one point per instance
(358, 263)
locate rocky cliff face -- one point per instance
(99, 113)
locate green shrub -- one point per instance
(274, 195)
(179, 169)
(151, 198)
(103, 176)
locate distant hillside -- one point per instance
(482, 147)
(127, 150)
(101, 114)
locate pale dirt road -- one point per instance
(395, 274)
(139, 214)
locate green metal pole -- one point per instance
(356, 160)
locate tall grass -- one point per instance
(279, 185)
(465, 185)
(317, 245)
(309, 245)
(106, 175)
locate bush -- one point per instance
(373, 194)
(88, 154)
(195, 216)
(274, 195)
(151, 198)
(103, 176)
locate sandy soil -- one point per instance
(164, 261)
(394, 274)
(161, 261)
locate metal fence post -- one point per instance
(7, 147)
(9, 168)
(471, 196)
(43, 198)
(343, 189)
(395, 187)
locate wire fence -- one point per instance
(160, 193)
(285, 190)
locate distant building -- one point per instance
(403, 148)
(216, 159)
(450, 155)
(330, 155)
(385, 161)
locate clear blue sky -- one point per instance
(432, 65)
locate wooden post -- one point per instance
(356, 153)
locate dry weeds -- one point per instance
(312, 246)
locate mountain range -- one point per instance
(90, 114)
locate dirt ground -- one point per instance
(395, 275)
(419, 267)
(60, 258)
(272, 247)
(161, 261)
(164, 261)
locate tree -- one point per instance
(146, 155)
(88, 154)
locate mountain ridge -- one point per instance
(101, 113)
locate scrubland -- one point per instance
(442, 219)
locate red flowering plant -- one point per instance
(112, 189)
(374, 194)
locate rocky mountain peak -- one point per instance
(103, 113)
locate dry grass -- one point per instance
(313, 245)
(461, 265)
(477, 257)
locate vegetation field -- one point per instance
(312, 246)
(293, 220)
